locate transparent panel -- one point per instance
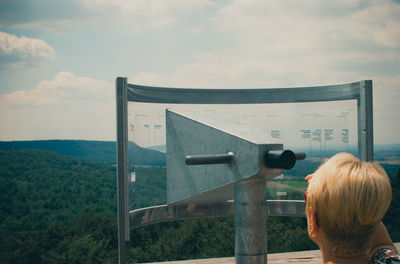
(320, 129)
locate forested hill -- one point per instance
(99, 151)
(56, 209)
(38, 187)
(59, 209)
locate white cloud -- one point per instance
(17, 50)
(128, 16)
(289, 43)
(136, 15)
(269, 44)
(140, 15)
(68, 106)
(301, 43)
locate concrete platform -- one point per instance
(313, 257)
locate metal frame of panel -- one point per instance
(122, 166)
(361, 91)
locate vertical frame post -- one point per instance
(122, 166)
(365, 122)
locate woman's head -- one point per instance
(349, 198)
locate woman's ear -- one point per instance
(314, 225)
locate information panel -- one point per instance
(320, 129)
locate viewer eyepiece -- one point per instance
(283, 159)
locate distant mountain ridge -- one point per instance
(105, 151)
(99, 151)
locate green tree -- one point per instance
(392, 217)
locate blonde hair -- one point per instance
(350, 198)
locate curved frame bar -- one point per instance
(165, 213)
(149, 94)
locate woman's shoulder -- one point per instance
(385, 256)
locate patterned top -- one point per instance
(385, 256)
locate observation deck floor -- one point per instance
(312, 256)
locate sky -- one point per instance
(59, 59)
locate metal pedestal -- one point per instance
(250, 222)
